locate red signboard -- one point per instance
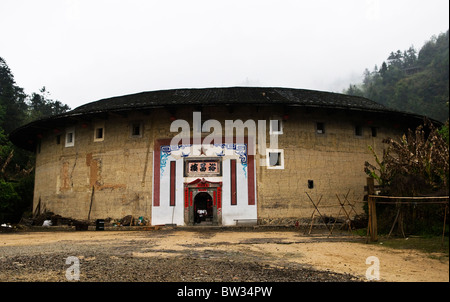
(202, 168)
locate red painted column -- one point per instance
(233, 182)
(251, 179)
(173, 175)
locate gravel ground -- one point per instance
(100, 267)
(118, 260)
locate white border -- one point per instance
(281, 151)
(72, 143)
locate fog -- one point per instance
(82, 51)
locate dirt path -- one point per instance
(274, 248)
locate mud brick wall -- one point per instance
(116, 172)
(334, 161)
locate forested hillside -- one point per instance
(17, 165)
(411, 81)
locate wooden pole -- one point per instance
(443, 230)
(326, 224)
(90, 206)
(312, 218)
(372, 210)
(395, 221)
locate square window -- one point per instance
(275, 158)
(320, 128)
(358, 131)
(136, 129)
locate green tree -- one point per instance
(17, 165)
(41, 106)
(12, 100)
(412, 81)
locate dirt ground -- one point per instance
(30, 256)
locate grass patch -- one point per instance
(430, 244)
(427, 244)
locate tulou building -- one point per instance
(208, 156)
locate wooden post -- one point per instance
(90, 206)
(443, 230)
(372, 228)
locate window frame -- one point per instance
(281, 157)
(324, 131)
(96, 128)
(359, 133)
(66, 136)
(132, 128)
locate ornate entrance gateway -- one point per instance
(203, 202)
(224, 172)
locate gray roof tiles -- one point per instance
(231, 95)
(25, 136)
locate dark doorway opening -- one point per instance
(203, 209)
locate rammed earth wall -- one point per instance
(113, 177)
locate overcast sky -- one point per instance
(83, 51)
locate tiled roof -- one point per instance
(26, 136)
(231, 95)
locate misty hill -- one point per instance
(411, 81)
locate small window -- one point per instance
(320, 128)
(276, 126)
(98, 134)
(136, 129)
(58, 139)
(70, 137)
(99, 131)
(374, 131)
(358, 131)
(275, 158)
